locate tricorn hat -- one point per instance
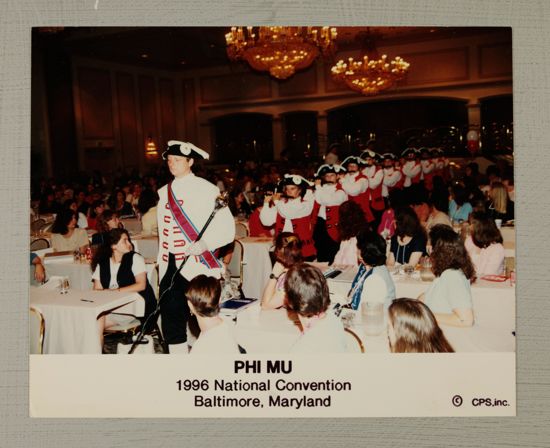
(352, 159)
(186, 149)
(326, 168)
(389, 156)
(295, 179)
(408, 151)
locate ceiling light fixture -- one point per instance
(280, 50)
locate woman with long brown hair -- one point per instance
(412, 328)
(449, 296)
(107, 221)
(484, 245)
(352, 221)
(288, 252)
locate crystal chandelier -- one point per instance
(281, 50)
(371, 74)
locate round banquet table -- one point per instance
(71, 319)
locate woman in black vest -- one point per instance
(117, 266)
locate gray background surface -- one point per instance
(531, 35)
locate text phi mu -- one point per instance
(270, 366)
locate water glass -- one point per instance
(64, 285)
(372, 314)
(408, 270)
(426, 274)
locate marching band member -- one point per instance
(355, 184)
(293, 212)
(440, 162)
(329, 194)
(184, 206)
(392, 177)
(412, 170)
(428, 167)
(375, 176)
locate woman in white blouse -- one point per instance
(216, 337)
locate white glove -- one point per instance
(196, 248)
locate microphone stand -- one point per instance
(221, 202)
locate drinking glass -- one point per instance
(64, 285)
(426, 274)
(408, 270)
(372, 314)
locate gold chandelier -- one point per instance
(281, 50)
(371, 74)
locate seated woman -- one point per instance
(82, 221)
(147, 207)
(308, 295)
(408, 244)
(412, 328)
(66, 235)
(449, 296)
(238, 205)
(484, 245)
(106, 222)
(120, 205)
(459, 207)
(352, 221)
(288, 252)
(116, 266)
(96, 209)
(373, 282)
(499, 206)
(203, 297)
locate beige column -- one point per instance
(474, 113)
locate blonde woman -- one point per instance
(498, 204)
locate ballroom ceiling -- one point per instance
(183, 48)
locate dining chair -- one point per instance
(241, 231)
(37, 327)
(236, 264)
(39, 244)
(38, 224)
(354, 343)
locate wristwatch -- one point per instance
(273, 277)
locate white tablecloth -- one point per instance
(80, 274)
(257, 265)
(508, 234)
(494, 314)
(133, 225)
(71, 323)
(272, 331)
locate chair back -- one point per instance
(241, 231)
(37, 224)
(236, 264)
(39, 244)
(37, 328)
(353, 342)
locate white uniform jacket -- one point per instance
(288, 209)
(197, 197)
(329, 195)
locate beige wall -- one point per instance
(182, 104)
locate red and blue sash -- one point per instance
(188, 229)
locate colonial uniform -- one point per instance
(328, 198)
(428, 167)
(184, 206)
(412, 170)
(392, 177)
(355, 184)
(293, 215)
(375, 176)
